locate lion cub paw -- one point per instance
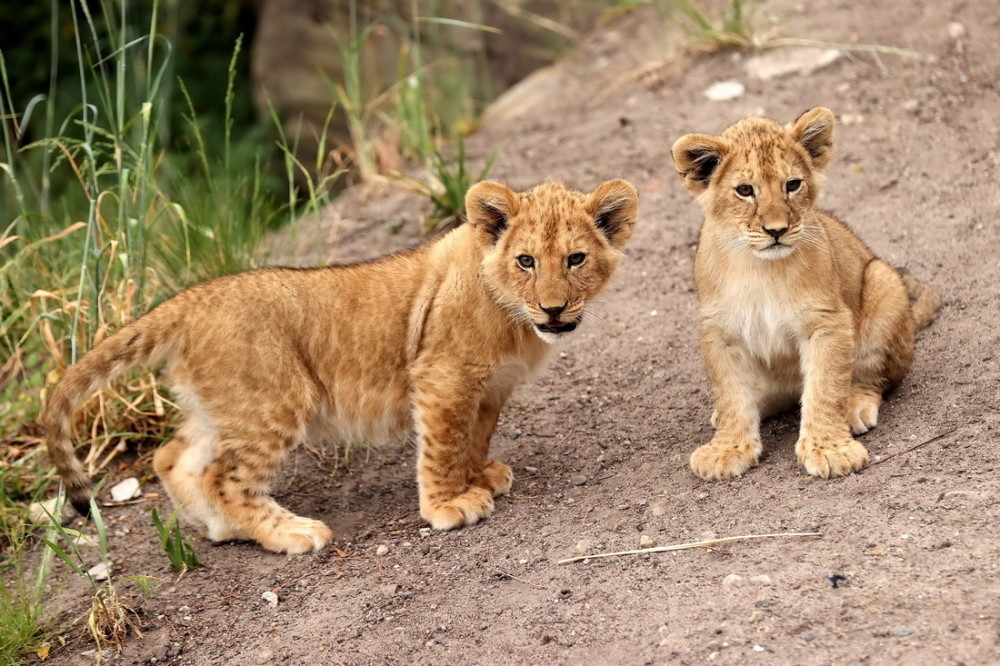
(470, 507)
(496, 477)
(838, 456)
(863, 411)
(724, 458)
(297, 535)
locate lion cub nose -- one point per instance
(776, 233)
(554, 312)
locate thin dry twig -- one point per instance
(914, 448)
(685, 546)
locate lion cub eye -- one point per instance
(793, 185)
(576, 259)
(744, 190)
(525, 261)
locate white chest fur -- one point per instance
(760, 313)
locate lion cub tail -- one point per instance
(926, 301)
(142, 342)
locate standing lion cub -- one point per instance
(433, 340)
(794, 307)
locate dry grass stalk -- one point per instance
(685, 546)
(111, 620)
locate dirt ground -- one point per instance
(600, 439)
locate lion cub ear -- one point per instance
(813, 130)
(489, 205)
(614, 205)
(696, 157)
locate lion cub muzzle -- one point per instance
(555, 324)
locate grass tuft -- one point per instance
(453, 180)
(176, 546)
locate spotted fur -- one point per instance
(794, 306)
(431, 341)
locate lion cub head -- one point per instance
(758, 182)
(550, 250)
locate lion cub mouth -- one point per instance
(555, 326)
(776, 250)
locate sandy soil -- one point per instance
(600, 440)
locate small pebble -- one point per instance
(732, 579)
(583, 546)
(530, 470)
(912, 106)
(763, 579)
(645, 541)
(39, 512)
(425, 531)
(271, 598)
(720, 91)
(382, 550)
(757, 648)
(658, 509)
(264, 656)
(578, 479)
(956, 30)
(902, 631)
(125, 490)
(390, 590)
(100, 571)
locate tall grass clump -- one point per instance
(733, 29)
(23, 627)
(101, 218)
(107, 208)
(111, 618)
(433, 96)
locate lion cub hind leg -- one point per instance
(862, 408)
(180, 465)
(237, 483)
(885, 343)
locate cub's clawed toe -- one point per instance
(496, 477)
(833, 457)
(466, 509)
(723, 459)
(296, 535)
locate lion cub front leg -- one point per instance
(446, 415)
(492, 475)
(736, 446)
(825, 445)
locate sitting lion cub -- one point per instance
(431, 340)
(794, 306)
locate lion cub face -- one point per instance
(550, 250)
(759, 180)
